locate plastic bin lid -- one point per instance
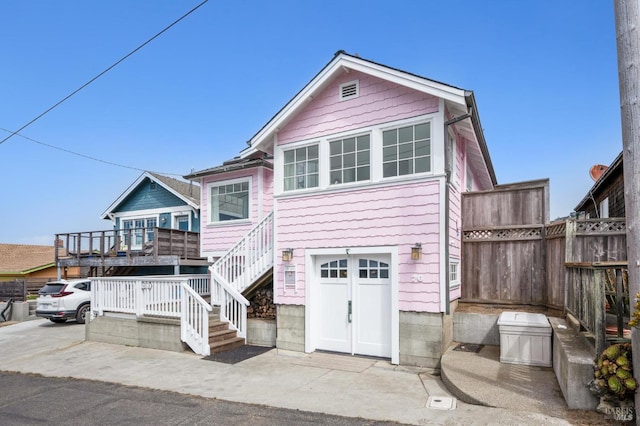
(523, 319)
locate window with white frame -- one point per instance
(350, 159)
(140, 230)
(406, 150)
(454, 272)
(604, 208)
(229, 201)
(301, 168)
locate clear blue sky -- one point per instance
(544, 74)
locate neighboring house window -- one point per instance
(182, 223)
(350, 159)
(301, 168)
(406, 150)
(604, 208)
(454, 272)
(229, 202)
(142, 230)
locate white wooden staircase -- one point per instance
(236, 271)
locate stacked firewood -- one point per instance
(262, 305)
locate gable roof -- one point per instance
(186, 191)
(459, 103)
(23, 258)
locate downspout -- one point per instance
(447, 202)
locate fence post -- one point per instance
(570, 236)
(139, 302)
(600, 311)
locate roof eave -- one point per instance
(477, 126)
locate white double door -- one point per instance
(354, 304)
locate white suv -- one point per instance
(61, 300)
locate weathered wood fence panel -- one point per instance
(16, 290)
(503, 244)
(556, 242)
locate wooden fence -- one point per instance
(16, 290)
(503, 244)
(512, 255)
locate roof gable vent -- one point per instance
(349, 90)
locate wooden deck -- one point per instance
(131, 247)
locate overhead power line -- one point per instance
(111, 163)
(101, 74)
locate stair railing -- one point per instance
(233, 305)
(194, 322)
(250, 258)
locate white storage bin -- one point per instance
(525, 338)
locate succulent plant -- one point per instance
(613, 372)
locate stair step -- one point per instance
(217, 336)
(226, 345)
(218, 326)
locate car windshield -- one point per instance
(51, 288)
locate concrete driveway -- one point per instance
(317, 382)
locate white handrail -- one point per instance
(194, 322)
(250, 258)
(233, 305)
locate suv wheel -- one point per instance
(82, 313)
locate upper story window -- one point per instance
(301, 168)
(229, 201)
(406, 150)
(350, 159)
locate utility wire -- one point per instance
(102, 73)
(111, 163)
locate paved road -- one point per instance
(30, 400)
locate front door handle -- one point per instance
(349, 311)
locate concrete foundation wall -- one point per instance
(422, 340)
(150, 333)
(290, 327)
(261, 332)
(476, 328)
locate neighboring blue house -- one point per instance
(156, 231)
(154, 200)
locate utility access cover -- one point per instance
(441, 403)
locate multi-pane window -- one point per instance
(372, 269)
(454, 272)
(142, 230)
(350, 159)
(406, 150)
(230, 202)
(334, 269)
(301, 168)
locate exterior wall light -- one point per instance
(416, 252)
(287, 255)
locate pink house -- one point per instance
(349, 198)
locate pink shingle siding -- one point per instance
(398, 215)
(379, 101)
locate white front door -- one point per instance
(354, 306)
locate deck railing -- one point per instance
(149, 295)
(128, 242)
(598, 295)
(177, 297)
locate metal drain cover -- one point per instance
(468, 347)
(441, 403)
